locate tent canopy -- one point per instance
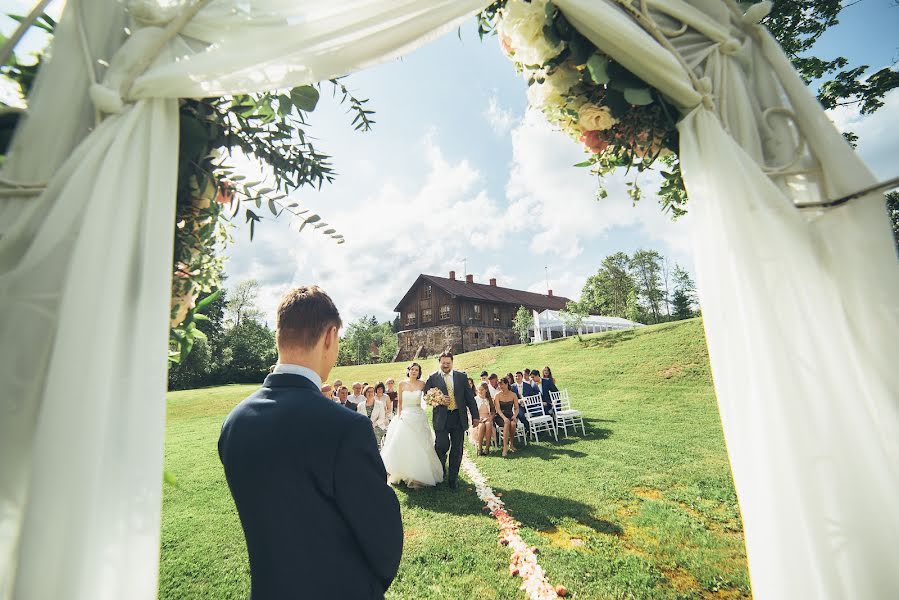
(551, 321)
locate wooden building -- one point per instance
(440, 313)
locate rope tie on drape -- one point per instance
(703, 86)
(140, 51)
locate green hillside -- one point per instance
(643, 506)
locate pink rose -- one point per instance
(594, 141)
(225, 192)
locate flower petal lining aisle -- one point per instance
(524, 558)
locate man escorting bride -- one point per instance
(412, 452)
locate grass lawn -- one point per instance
(642, 507)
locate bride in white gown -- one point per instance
(408, 452)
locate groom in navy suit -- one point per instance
(310, 488)
(449, 421)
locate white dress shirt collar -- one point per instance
(299, 370)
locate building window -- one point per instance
(410, 318)
(496, 317)
(408, 341)
(427, 295)
(477, 312)
(476, 335)
(490, 338)
(427, 315)
(445, 312)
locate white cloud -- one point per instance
(558, 201)
(395, 230)
(500, 119)
(876, 145)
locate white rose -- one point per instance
(595, 118)
(522, 25)
(554, 87)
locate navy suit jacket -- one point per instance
(547, 385)
(442, 418)
(312, 495)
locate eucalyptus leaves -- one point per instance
(269, 128)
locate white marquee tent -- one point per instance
(799, 301)
(549, 322)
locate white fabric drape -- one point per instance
(800, 309)
(85, 270)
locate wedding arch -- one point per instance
(799, 298)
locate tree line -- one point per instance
(237, 346)
(644, 287)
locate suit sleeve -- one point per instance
(367, 503)
(428, 384)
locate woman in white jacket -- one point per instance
(374, 410)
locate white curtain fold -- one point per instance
(809, 418)
(800, 307)
(85, 272)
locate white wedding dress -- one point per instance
(408, 452)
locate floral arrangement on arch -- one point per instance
(620, 120)
(435, 397)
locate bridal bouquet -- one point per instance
(435, 397)
(620, 120)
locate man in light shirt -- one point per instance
(357, 396)
(493, 385)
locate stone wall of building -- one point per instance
(486, 337)
(436, 339)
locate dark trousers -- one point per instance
(450, 439)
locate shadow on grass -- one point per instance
(532, 510)
(544, 513)
(461, 501)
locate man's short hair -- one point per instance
(483, 373)
(357, 384)
(535, 372)
(304, 315)
(443, 355)
(492, 376)
(519, 373)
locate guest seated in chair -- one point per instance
(548, 374)
(543, 387)
(505, 404)
(482, 434)
(519, 388)
(343, 395)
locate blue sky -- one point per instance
(457, 169)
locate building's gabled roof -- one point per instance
(490, 293)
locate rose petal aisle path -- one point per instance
(524, 558)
